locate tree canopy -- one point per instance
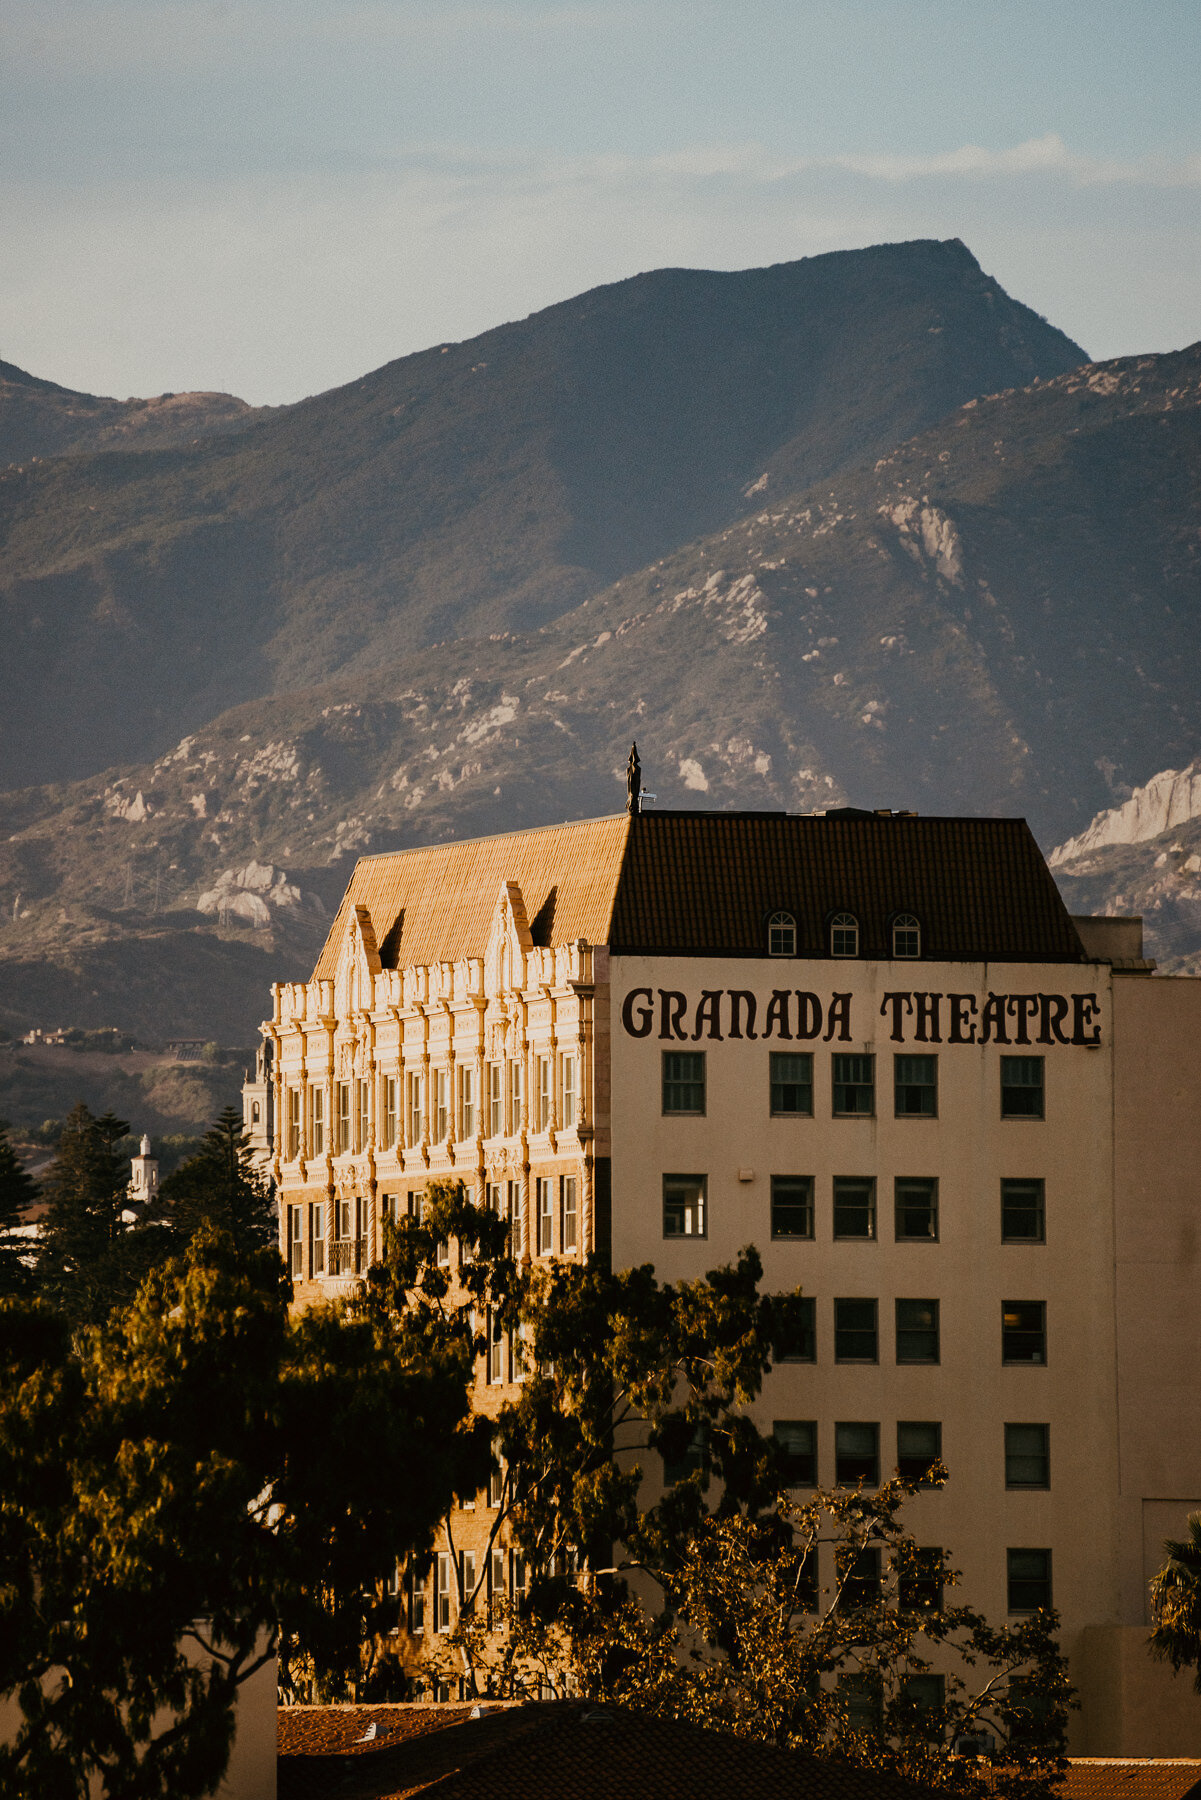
(220, 1185)
(18, 1190)
(88, 1258)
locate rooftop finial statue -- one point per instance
(633, 781)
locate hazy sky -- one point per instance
(273, 197)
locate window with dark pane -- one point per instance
(796, 1440)
(854, 1086)
(862, 1701)
(856, 1453)
(781, 934)
(861, 1583)
(1022, 1087)
(792, 1083)
(684, 1206)
(919, 1443)
(1023, 1331)
(916, 1205)
(1027, 1456)
(683, 1081)
(1029, 1573)
(1023, 1211)
(684, 1453)
(795, 1329)
(917, 1331)
(906, 936)
(915, 1086)
(854, 1206)
(844, 935)
(792, 1206)
(926, 1695)
(856, 1331)
(920, 1579)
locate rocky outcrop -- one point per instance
(248, 895)
(1169, 799)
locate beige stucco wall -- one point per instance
(969, 1148)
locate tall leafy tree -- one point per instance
(18, 1191)
(89, 1259)
(221, 1186)
(197, 1480)
(1176, 1603)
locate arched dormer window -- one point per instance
(844, 935)
(906, 936)
(781, 934)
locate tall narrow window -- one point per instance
(546, 1215)
(570, 1212)
(296, 1242)
(467, 1572)
(496, 1588)
(441, 1122)
(466, 1100)
(317, 1237)
(318, 1121)
(516, 1086)
(390, 1105)
(416, 1587)
(844, 935)
(542, 1071)
(791, 1079)
(362, 1112)
(567, 1088)
(906, 936)
(496, 1099)
(342, 1095)
(781, 934)
(442, 1595)
(413, 1110)
(496, 1347)
(293, 1124)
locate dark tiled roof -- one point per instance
(571, 1752)
(1109, 1778)
(697, 884)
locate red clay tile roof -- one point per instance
(570, 1751)
(696, 884)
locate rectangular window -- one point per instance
(567, 1093)
(415, 1205)
(854, 1206)
(792, 1206)
(920, 1580)
(792, 1084)
(342, 1096)
(317, 1236)
(927, 1695)
(1027, 1456)
(796, 1331)
(796, 1440)
(917, 1331)
(496, 1484)
(1029, 1573)
(683, 1081)
(860, 1696)
(466, 1100)
(856, 1452)
(1023, 1212)
(416, 1585)
(915, 1086)
(1022, 1087)
(318, 1121)
(296, 1242)
(919, 1443)
(440, 1124)
(916, 1208)
(345, 1219)
(861, 1584)
(390, 1111)
(854, 1086)
(412, 1110)
(856, 1333)
(496, 1099)
(496, 1348)
(684, 1206)
(678, 1465)
(546, 1216)
(442, 1591)
(516, 1220)
(1023, 1331)
(496, 1587)
(570, 1212)
(467, 1573)
(293, 1124)
(516, 1090)
(542, 1093)
(362, 1114)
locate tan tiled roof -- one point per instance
(436, 904)
(570, 1751)
(1109, 1778)
(697, 884)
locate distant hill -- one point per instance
(472, 489)
(1000, 615)
(40, 419)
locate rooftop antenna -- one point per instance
(635, 792)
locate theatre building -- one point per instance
(877, 1047)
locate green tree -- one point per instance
(1176, 1603)
(89, 1258)
(204, 1455)
(18, 1190)
(220, 1185)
